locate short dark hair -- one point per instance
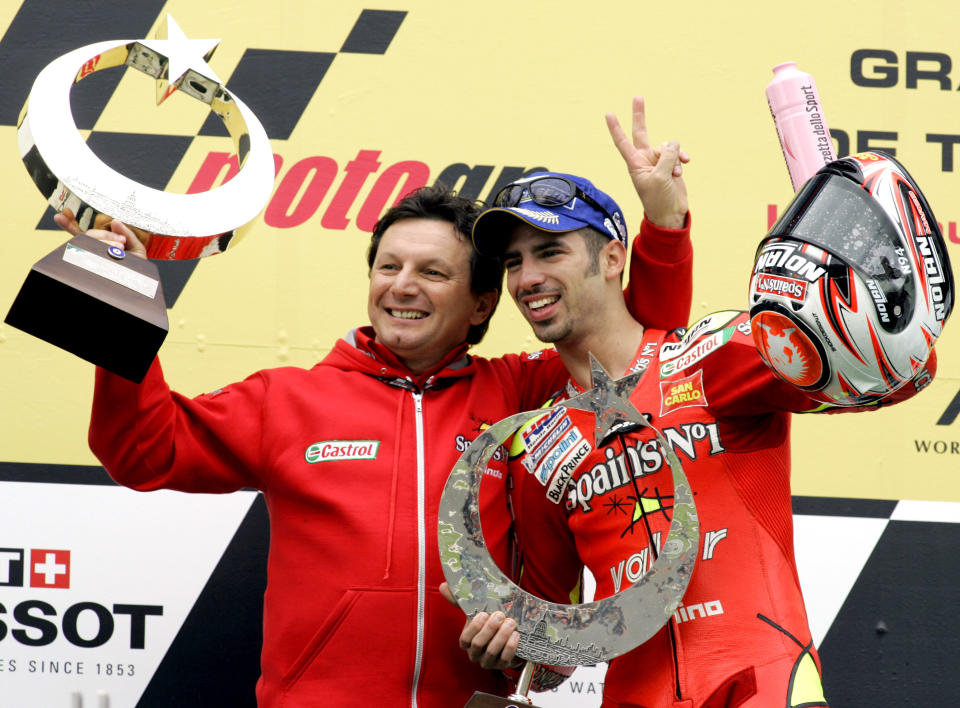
(440, 203)
(595, 241)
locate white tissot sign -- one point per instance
(95, 583)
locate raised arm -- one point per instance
(657, 173)
(149, 437)
(660, 288)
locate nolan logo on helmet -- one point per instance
(786, 256)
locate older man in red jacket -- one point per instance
(352, 454)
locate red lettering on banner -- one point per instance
(771, 215)
(357, 171)
(306, 184)
(212, 169)
(209, 174)
(313, 175)
(417, 174)
(951, 232)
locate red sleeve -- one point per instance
(660, 289)
(535, 376)
(149, 437)
(549, 564)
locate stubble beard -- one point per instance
(551, 333)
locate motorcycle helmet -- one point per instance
(852, 285)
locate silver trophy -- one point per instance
(551, 633)
(85, 297)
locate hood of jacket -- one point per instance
(359, 350)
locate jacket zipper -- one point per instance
(421, 545)
(676, 657)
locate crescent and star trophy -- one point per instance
(86, 297)
(551, 633)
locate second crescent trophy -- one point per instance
(551, 633)
(86, 297)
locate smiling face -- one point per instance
(420, 303)
(555, 282)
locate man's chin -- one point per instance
(548, 335)
(399, 343)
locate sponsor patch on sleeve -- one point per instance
(709, 324)
(699, 349)
(556, 491)
(682, 393)
(535, 455)
(544, 461)
(540, 429)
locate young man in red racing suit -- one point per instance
(352, 456)
(741, 636)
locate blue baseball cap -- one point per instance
(548, 201)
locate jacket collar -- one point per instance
(385, 364)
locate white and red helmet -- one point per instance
(853, 284)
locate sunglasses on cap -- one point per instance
(547, 192)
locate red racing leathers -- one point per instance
(352, 456)
(741, 635)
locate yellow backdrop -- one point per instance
(505, 84)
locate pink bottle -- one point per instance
(798, 114)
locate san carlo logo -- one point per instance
(43, 617)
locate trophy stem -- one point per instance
(517, 699)
(523, 684)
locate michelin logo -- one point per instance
(556, 455)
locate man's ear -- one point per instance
(613, 260)
(486, 302)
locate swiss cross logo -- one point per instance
(49, 568)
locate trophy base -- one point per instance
(108, 311)
(487, 700)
